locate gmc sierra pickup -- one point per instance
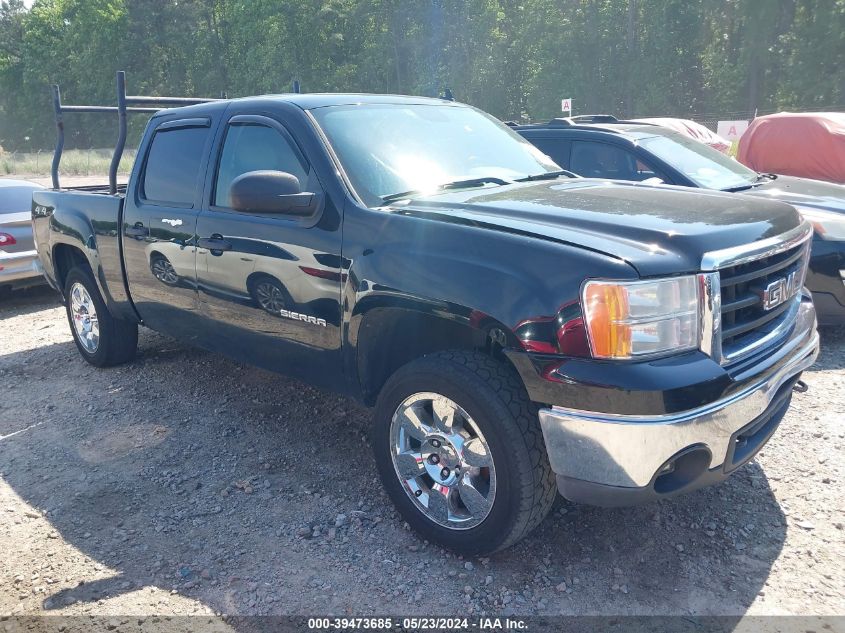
(517, 330)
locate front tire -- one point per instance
(101, 339)
(459, 449)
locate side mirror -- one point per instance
(270, 191)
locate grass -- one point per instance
(75, 162)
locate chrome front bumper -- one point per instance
(19, 267)
(624, 451)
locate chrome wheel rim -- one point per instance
(443, 461)
(84, 316)
(269, 297)
(163, 271)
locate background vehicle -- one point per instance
(805, 144)
(692, 129)
(19, 266)
(624, 150)
(514, 329)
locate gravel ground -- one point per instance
(185, 483)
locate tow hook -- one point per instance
(800, 386)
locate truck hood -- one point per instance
(803, 192)
(659, 230)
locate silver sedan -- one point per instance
(19, 266)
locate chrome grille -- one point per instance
(749, 301)
(745, 320)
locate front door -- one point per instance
(270, 283)
(159, 225)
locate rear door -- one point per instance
(270, 283)
(159, 224)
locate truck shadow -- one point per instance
(224, 484)
(29, 300)
(832, 340)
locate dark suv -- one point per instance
(601, 146)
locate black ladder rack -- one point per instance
(125, 104)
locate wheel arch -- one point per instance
(66, 257)
(390, 334)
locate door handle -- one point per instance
(137, 230)
(214, 243)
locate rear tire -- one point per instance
(102, 339)
(514, 488)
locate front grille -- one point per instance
(745, 320)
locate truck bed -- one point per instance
(96, 188)
(87, 218)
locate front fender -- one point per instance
(474, 276)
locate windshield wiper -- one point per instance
(738, 188)
(549, 175)
(757, 182)
(457, 184)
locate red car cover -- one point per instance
(808, 145)
(692, 129)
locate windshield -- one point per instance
(705, 166)
(389, 149)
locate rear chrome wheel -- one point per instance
(84, 317)
(101, 338)
(443, 461)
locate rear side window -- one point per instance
(255, 147)
(173, 165)
(554, 148)
(15, 199)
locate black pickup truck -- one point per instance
(516, 330)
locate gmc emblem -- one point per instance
(779, 291)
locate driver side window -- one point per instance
(254, 147)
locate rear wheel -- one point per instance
(460, 451)
(101, 339)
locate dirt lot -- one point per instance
(185, 483)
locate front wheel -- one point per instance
(459, 449)
(101, 339)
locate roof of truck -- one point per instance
(311, 101)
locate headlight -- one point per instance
(628, 319)
(828, 224)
